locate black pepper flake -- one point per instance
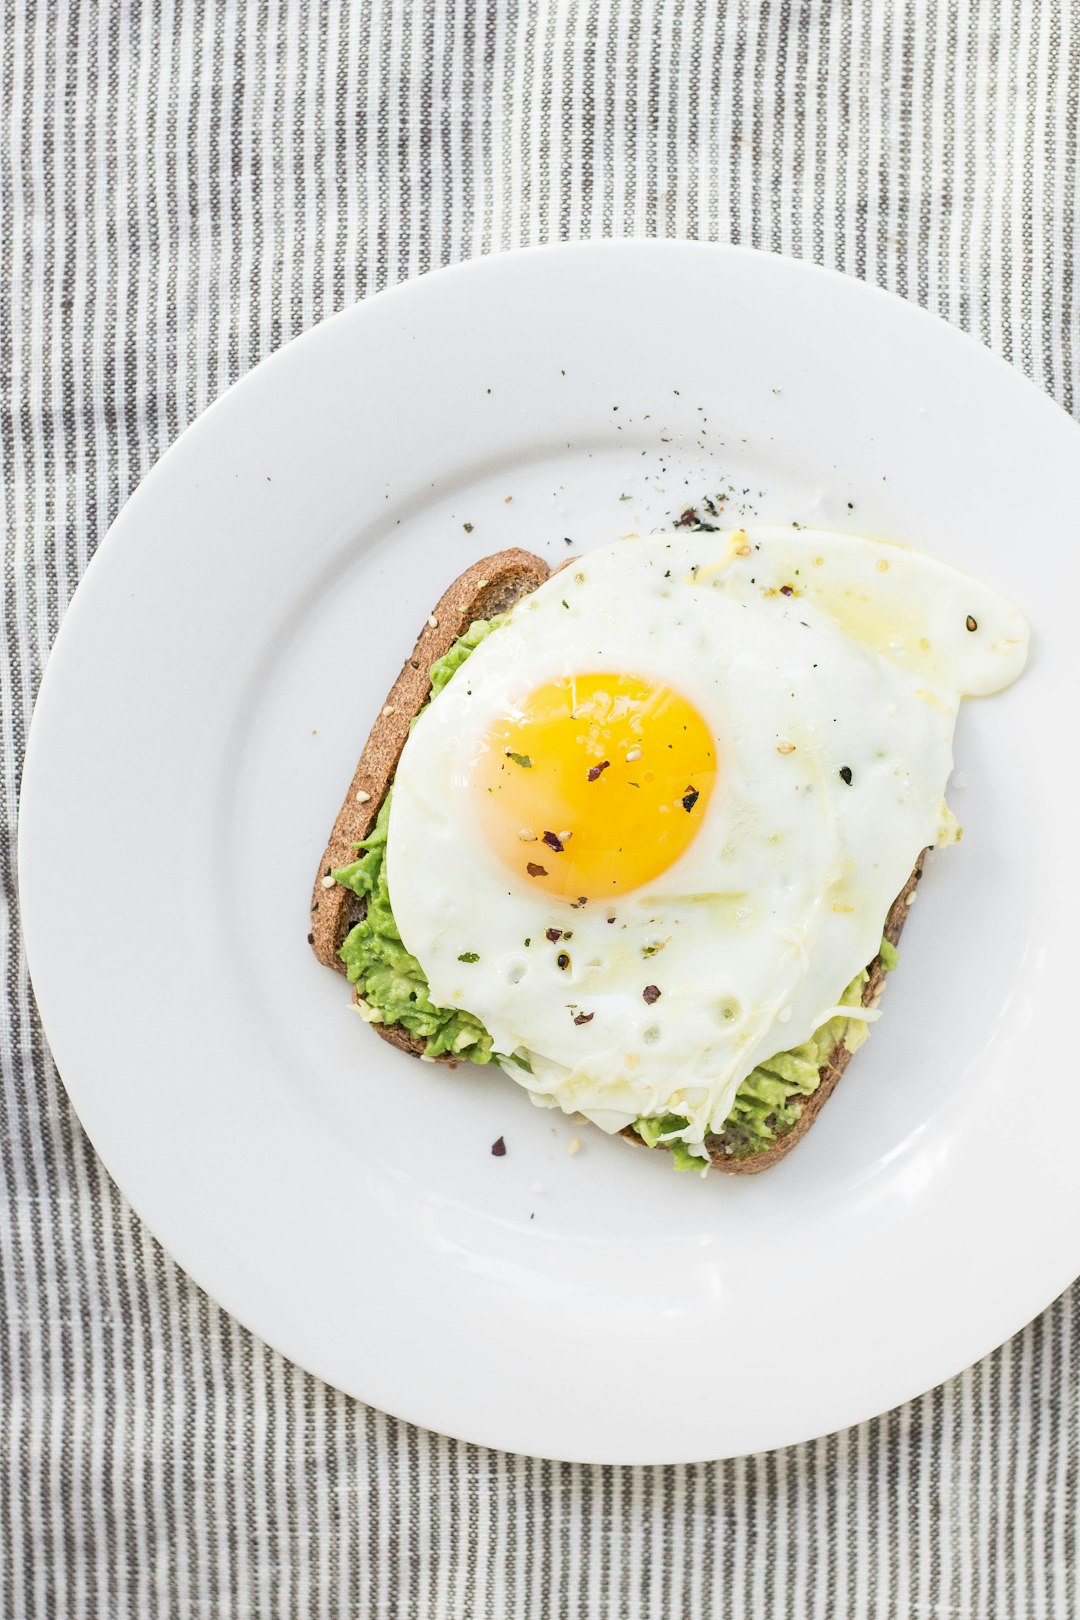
(536, 871)
(498, 1148)
(596, 771)
(611, 919)
(650, 994)
(467, 527)
(972, 624)
(562, 961)
(582, 900)
(311, 939)
(584, 1018)
(845, 774)
(554, 934)
(690, 798)
(553, 841)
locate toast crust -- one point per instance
(490, 586)
(493, 585)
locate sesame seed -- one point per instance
(389, 709)
(785, 748)
(632, 754)
(574, 1146)
(910, 899)
(433, 621)
(328, 882)
(361, 796)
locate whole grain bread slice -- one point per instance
(494, 585)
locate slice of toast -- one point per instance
(493, 585)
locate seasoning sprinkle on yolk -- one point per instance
(619, 827)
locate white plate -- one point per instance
(203, 711)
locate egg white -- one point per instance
(753, 934)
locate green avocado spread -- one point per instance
(394, 990)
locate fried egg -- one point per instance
(652, 828)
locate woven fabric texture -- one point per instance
(186, 185)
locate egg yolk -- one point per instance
(595, 785)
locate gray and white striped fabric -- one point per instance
(185, 186)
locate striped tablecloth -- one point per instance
(185, 186)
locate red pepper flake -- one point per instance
(498, 1148)
(584, 1018)
(650, 994)
(536, 871)
(553, 841)
(787, 590)
(690, 798)
(554, 934)
(686, 519)
(595, 771)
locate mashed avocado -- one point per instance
(395, 991)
